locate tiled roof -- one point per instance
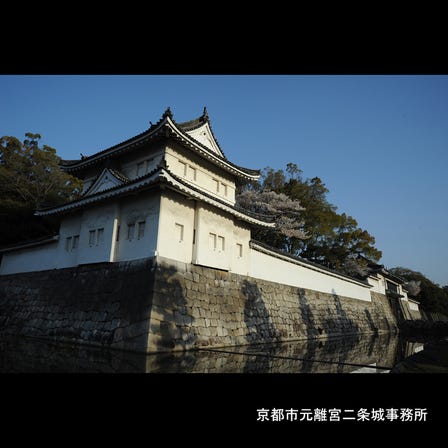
(198, 122)
(159, 175)
(119, 176)
(31, 243)
(163, 129)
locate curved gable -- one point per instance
(204, 135)
(106, 180)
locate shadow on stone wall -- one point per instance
(329, 320)
(172, 325)
(106, 305)
(135, 301)
(347, 325)
(260, 327)
(311, 329)
(144, 306)
(371, 323)
(307, 317)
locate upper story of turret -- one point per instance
(189, 150)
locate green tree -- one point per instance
(332, 239)
(431, 296)
(30, 178)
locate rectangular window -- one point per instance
(75, 242)
(239, 250)
(179, 232)
(100, 237)
(183, 168)
(212, 241)
(191, 173)
(391, 287)
(141, 230)
(131, 231)
(140, 169)
(68, 243)
(92, 234)
(118, 234)
(221, 247)
(194, 236)
(224, 189)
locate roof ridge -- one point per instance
(190, 125)
(119, 175)
(130, 182)
(161, 167)
(174, 128)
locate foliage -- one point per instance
(30, 178)
(355, 267)
(287, 212)
(31, 175)
(328, 238)
(413, 287)
(431, 296)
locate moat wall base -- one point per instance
(158, 304)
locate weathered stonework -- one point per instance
(160, 305)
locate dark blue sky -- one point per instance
(380, 143)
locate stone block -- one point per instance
(136, 329)
(199, 322)
(178, 318)
(116, 323)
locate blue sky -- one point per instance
(380, 143)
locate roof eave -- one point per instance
(158, 176)
(240, 172)
(26, 245)
(154, 131)
(137, 140)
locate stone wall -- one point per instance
(149, 305)
(102, 304)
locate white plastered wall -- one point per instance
(214, 238)
(67, 255)
(135, 210)
(176, 225)
(413, 306)
(378, 286)
(181, 218)
(240, 250)
(94, 219)
(204, 178)
(273, 269)
(147, 163)
(37, 258)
